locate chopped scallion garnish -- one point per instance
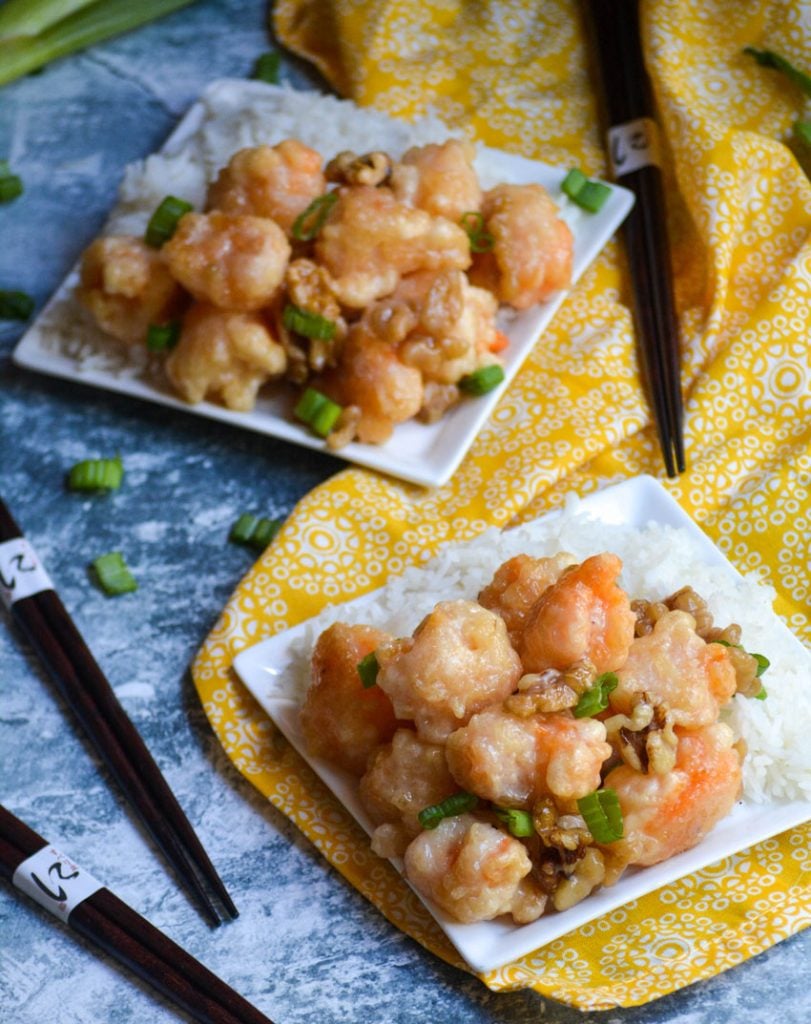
(368, 668)
(519, 823)
(163, 337)
(482, 380)
(15, 305)
(164, 221)
(761, 694)
(770, 59)
(257, 532)
(480, 238)
(762, 663)
(588, 194)
(307, 225)
(595, 699)
(11, 185)
(96, 475)
(310, 325)
(317, 411)
(266, 68)
(459, 803)
(602, 814)
(113, 574)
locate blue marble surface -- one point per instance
(306, 947)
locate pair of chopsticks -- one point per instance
(632, 145)
(51, 878)
(37, 609)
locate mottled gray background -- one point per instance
(307, 947)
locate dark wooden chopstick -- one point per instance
(106, 921)
(84, 687)
(633, 155)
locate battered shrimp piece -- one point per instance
(532, 249)
(514, 761)
(234, 261)
(584, 615)
(470, 869)
(675, 668)
(517, 585)
(224, 354)
(401, 779)
(126, 287)
(278, 182)
(340, 720)
(458, 661)
(666, 814)
(371, 377)
(370, 240)
(439, 179)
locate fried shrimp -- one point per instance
(439, 179)
(517, 585)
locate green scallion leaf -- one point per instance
(266, 68)
(595, 699)
(113, 574)
(163, 337)
(317, 411)
(770, 59)
(15, 305)
(519, 823)
(254, 531)
(588, 194)
(164, 221)
(429, 817)
(762, 663)
(602, 814)
(575, 180)
(310, 325)
(11, 185)
(96, 475)
(368, 667)
(802, 132)
(761, 694)
(307, 225)
(480, 238)
(482, 380)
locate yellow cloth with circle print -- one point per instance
(514, 72)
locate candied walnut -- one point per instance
(348, 168)
(346, 429)
(436, 400)
(587, 874)
(541, 692)
(687, 600)
(650, 747)
(310, 288)
(647, 615)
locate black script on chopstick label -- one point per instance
(21, 572)
(633, 145)
(55, 881)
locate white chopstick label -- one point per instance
(633, 145)
(21, 572)
(55, 881)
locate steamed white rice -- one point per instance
(657, 560)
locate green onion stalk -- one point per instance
(35, 32)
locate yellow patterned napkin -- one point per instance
(514, 72)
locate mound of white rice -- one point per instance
(657, 560)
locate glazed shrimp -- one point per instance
(440, 179)
(340, 719)
(458, 661)
(517, 585)
(666, 814)
(532, 248)
(278, 182)
(514, 761)
(584, 615)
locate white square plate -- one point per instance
(489, 945)
(419, 453)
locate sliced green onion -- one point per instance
(762, 663)
(307, 225)
(96, 475)
(113, 574)
(310, 325)
(11, 185)
(761, 694)
(164, 221)
(317, 411)
(519, 823)
(588, 194)
(368, 668)
(15, 305)
(482, 380)
(573, 182)
(802, 131)
(480, 238)
(266, 68)
(450, 807)
(770, 59)
(603, 816)
(254, 531)
(595, 699)
(163, 337)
